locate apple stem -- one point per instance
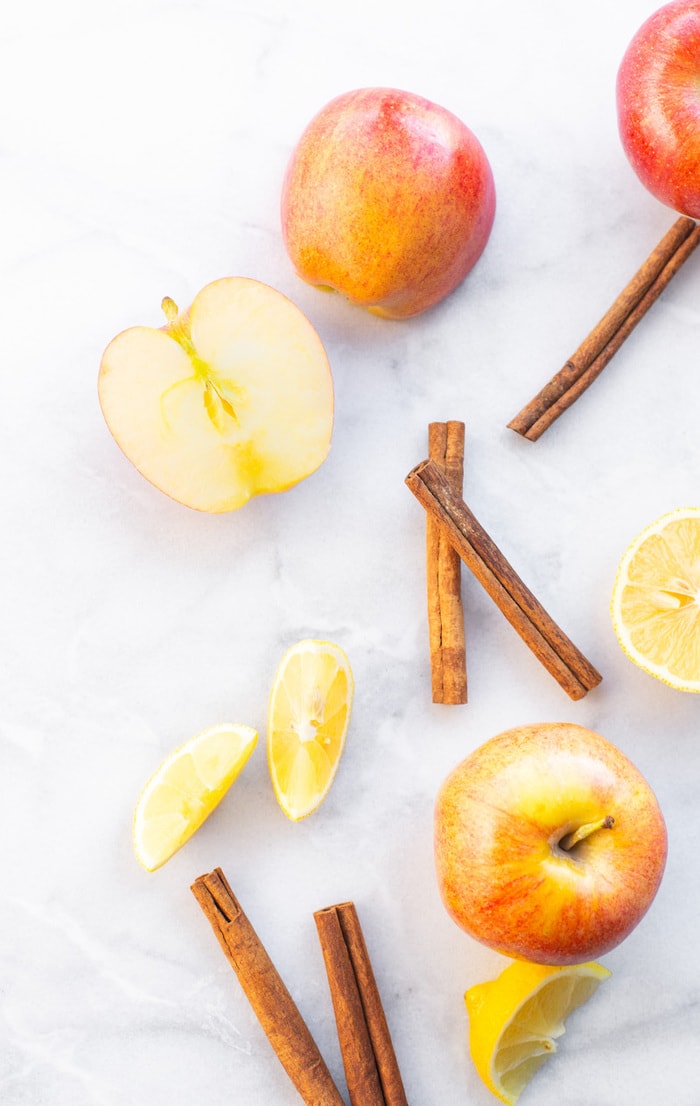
(567, 843)
(169, 309)
(178, 329)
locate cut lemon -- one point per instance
(514, 1020)
(656, 599)
(186, 787)
(308, 719)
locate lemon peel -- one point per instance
(515, 1020)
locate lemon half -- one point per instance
(656, 599)
(185, 788)
(308, 718)
(514, 1020)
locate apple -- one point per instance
(389, 199)
(230, 399)
(549, 844)
(658, 105)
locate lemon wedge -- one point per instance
(514, 1020)
(308, 718)
(185, 788)
(656, 599)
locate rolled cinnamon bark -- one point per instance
(482, 556)
(448, 665)
(371, 1068)
(274, 1006)
(608, 335)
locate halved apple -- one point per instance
(230, 399)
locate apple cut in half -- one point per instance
(230, 399)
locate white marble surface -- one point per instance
(142, 146)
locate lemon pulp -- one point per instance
(655, 605)
(185, 788)
(308, 718)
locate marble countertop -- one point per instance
(142, 146)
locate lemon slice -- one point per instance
(514, 1020)
(186, 787)
(308, 719)
(656, 599)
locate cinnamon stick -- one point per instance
(274, 1006)
(575, 674)
(448, 664)
(614, 328)
(371, 1069)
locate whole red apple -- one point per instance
(389, 199)
(549, 844)
(658, 105)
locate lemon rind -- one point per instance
(545, 1043)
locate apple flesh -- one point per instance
(549, 844)
(389, 199)
(230, 399)
(658, 105)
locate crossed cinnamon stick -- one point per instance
(431, 487)
(607, 336)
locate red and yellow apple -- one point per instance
(389, 199)
(658, 105)
(230, 399)
(549, 844)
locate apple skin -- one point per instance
(658, 105)
(389, 199)
(232, 398)
(500, 817)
